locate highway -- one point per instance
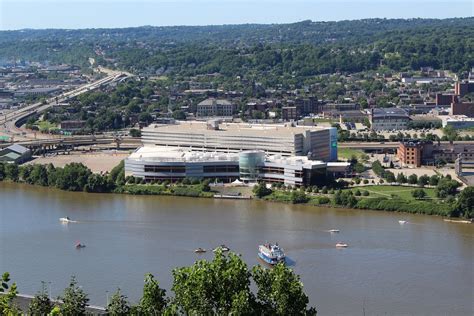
(11, 120)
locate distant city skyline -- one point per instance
(40, 14)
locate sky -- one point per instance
(73, 14)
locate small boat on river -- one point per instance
(402, 222)
(200, 250)
(80, 245)
(222, 247)
(334, 230)
(271, 254)
(66, 220)
(341, 245)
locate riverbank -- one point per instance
(77, 177)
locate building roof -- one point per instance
(236, 129)
(18, 149)
(389, 112)
(211, 101)
(12, 156)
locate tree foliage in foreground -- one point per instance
(217, 287)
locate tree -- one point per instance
(434, 179)
(154, 300)
(298, 197)
(359, 168)
(41, 304)
(2, 171)
(423, 180)
(260, 190)
(73, 177)
(465, 204)
(446, 187)
(74, 300)
(135, 132)
(401, 178)
(7, 295)
(280, 291)
(118, 305)
(98, 183)
(412, 179)
(389, 176)
(220, 286)
(418, 194)
(11, 171)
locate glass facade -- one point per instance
(250, 163)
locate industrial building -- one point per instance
(15, 154)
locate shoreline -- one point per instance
(217, 196)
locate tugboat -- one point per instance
(271, 254)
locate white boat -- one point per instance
(402, 222)
(66, 220)
(334, 230)
(200, 250)
(222, 247)
(341, 245)
(271, 254)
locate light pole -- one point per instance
(107, 298)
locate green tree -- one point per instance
(260, 190)
(465, 204)
(418, 194)
(423, 180)
(280, 291)
(41, 304)
(2, 171)
(153, 301)
(11, 171)
(215, 287)
(359, 168)
(434, 179)
(401, 178)
(446, 187)
(412, 179)
(73, 177)
(298, 197)
(7, 295)
(74, 300)
(118, 305)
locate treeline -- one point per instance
(218, 287)
(301, 49)
(450, 204)
(73, 177)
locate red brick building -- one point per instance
(462, 109)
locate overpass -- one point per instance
(14, 119)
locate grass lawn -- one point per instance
(323, 120)
(387, 191)
(347, 153)
(46, 125)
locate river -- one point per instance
(424, 267)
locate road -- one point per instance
(11, 120)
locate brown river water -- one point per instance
(423, 267)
